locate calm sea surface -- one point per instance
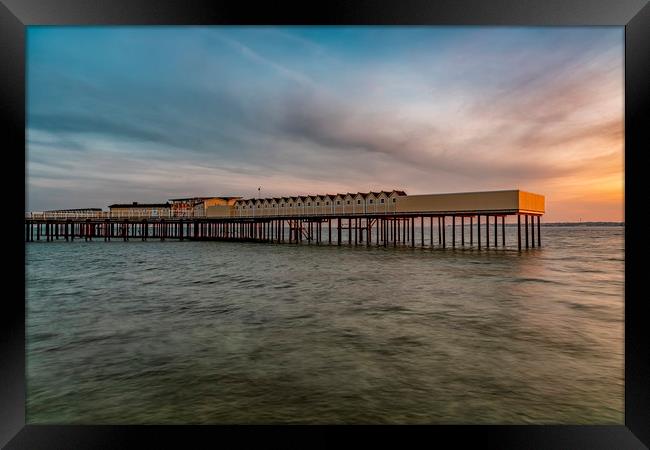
(217, 332)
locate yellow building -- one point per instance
(387, 202)
(198, 206)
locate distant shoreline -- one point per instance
(583, 224)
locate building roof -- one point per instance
(305, 197)
(73, 210)
(140, 205)
(204, 198)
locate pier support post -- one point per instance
(329, 230)
(431, 230)
(539, 231)
(422, 231)
(377, 225)
(439, 232)
(412, 231)
(453, 231)
(519, 232)
(356, 231)
(386, 234)
(462, 231)
(478, 230)
(496, 234)
(444, 230)
(349, 231)
(487, 231)
(503, 231)
(526, 218)
(393, 231)
(532, 231)
(471, 231)
(339, 232)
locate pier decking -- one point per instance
(461, 220)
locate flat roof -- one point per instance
(73, 210)
(303, 197)
(471, 192)
(203, 198)
(140, 205)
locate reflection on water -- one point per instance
(213, 332)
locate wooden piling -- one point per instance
(453, 231)
(349, 231)
(526, 218)
(462, 231)
(519, 232)
(329, 230)
(532, 231)
(444, 229)
(471, 231)
(339, 231)
(422, 231)
(356, 231)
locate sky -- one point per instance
(122, 114)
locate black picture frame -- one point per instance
(15, 15)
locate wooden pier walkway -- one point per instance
(483, 230)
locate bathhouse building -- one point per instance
(140, 209)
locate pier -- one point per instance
(424, 221)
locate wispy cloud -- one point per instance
(124, 116)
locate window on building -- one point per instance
(371, 202)
(327, 203)
(393, 200)
(317, 203)
(348, 202)
(308, 203)
(282, 205)
(338, 202)
(358, 202)
(381, 200)
(274, 205)
(298, 204)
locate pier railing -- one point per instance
(74, 215)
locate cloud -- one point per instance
(296, 115)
